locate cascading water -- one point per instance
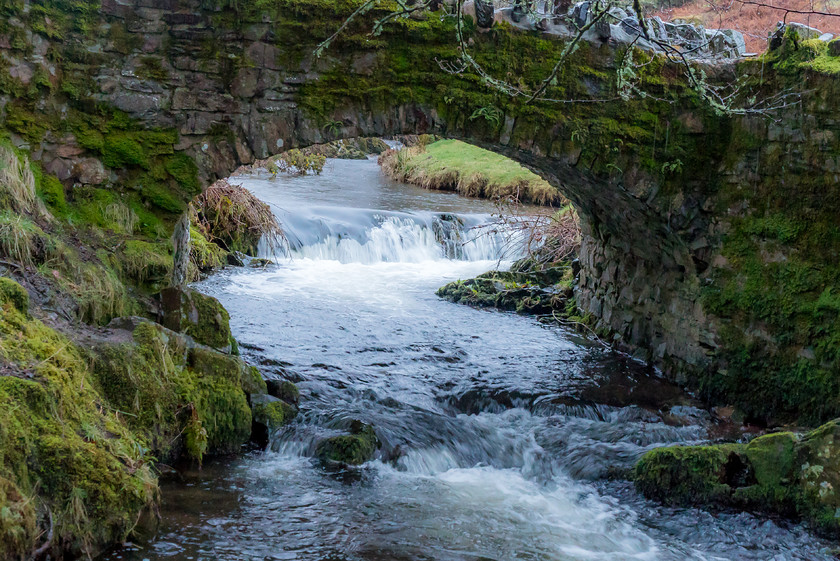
(497, 432)
(374, 236)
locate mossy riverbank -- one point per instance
(452, 165)
(95, 394)
(85, 421)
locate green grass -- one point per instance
(470, 170)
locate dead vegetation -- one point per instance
(547, 237)
(234, 219)
(17, 184)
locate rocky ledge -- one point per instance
(779, 473)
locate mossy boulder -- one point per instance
(283, 389)
(200, 316)
(269, 414)
(778, 473)
(528, 288)
(184, 397)
(351, 449)
(14, 294)
(272, 412)
(684, 475)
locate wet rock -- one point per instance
(202, 317)
(236, 259)
(778, 473)
(283, 389)
(269, 414)
(259, 263)
(89, 171)
(351, 449)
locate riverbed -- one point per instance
(503, 438)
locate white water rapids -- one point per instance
(497, 431)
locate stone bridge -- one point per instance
(693, 220)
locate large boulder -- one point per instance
(202, 317)
(780, 473)
(794, 31)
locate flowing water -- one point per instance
(498, 432)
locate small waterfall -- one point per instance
(368, 236)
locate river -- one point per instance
(499, 432)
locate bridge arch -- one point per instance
(672, 195)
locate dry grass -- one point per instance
(17, 184)
(232, 217)
(21, 240)
(451, 165)
(121, 217)
(545, 237)
(755, 22)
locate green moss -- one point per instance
(103, 208)
(223, 410)
(227, 367)
(146, 263)
(205, 256)
(192, 400)
(12, 292)
(795, 55)
(162, 197)
(205, 319)
(273, 414)
(777, 473)
(121, 150)
(772, 457)
(530, 287)
(184, 170)
(60, 448)
(684, 475)
(352, 449)
(51, 192)
(29, 124)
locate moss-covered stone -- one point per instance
(219, 365)
(182, 397)
(778, 473)
(684, 475)
(273, 413)
(529, 288)
(351, 449)
(15, 294)
(200, 316)
(283, 389)
(63, 448)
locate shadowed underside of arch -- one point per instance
(690, 217)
